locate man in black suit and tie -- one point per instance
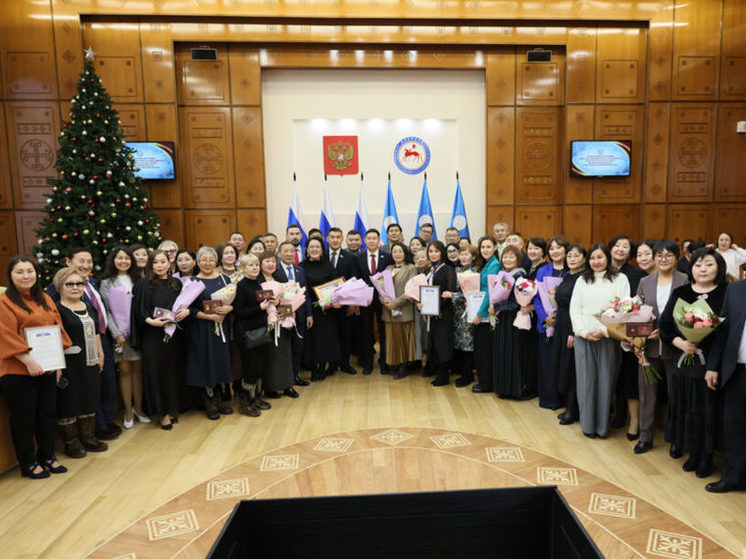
(287, 270)
(726, 370)
(341, 260)
(367, 263)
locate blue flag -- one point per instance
(361, 215)
(295, 215)
(326, 221)
(458, 215)
(389, 214)
(425, 213)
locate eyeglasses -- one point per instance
(664, 256)
(170, 251)
(71, 284)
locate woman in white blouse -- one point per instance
(597, 357)
(734, 256)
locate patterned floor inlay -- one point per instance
(405, 460)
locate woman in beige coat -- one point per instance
(398, 314)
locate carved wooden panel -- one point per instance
(540, 83)
(621, 122)
(730, 218)
(26, 224)
(579, 125)
(158, 62)
(696, 49)
(252, 222)
(120, 76)
(117, 61)
(32, 135)
(733, 79)
(208, 227)
(132, 121)
(202, 82)
(660, 43)
(162, 126)
(621, 65)
(248, 149)
(498, 214)
(500, 153)
(8, 242)
(577, 221)
(6, 196)
(538, 221)
(656, 152)
(688, 222)
(654, 225)
(30, 74)
(539, 155)
(172, 225)
(731, 165)
(500, 78)
(610, 220)
(207, 158)
(68, 36)
(581, 65)
(246, 76)
(692, 158)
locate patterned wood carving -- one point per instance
(540, 83)
(248, 149)
(26, 224)
(500, 152)
(30, 74)
(8, 242)
(68, 37)
(158, 62)
(621, 122)
(539, 221)
(688, 222)
(207, 160)
(498, 214)
(32, 134)
(6, 196)
(577, 221)
(208, 227)
(731, 165)
(609, 220)
(579, 125)
(730, 218)
(654, 226)
(132, 119)
(172, 225)
(660, 43)
(162, 126)
(692, 160)
(581, 65)
(733, 79)
(539, 155)
(246, 76)
(696, 49)
(252, 222)
(656, 149)
(202, 82)
(500, 78)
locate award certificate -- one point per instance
(325, 290)
(473, 304)
(430, 300)
(46, 346)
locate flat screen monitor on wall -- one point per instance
(153, 160)
(600, 158)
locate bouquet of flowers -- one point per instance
(412, 287)
(695, 321)
(188, 294)
(499, 286)
(289, 294)
(383, 282)
(524, 291)
(353, 292)
(547, 288)
(120, 305)
(469, 281)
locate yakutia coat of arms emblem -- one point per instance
(340, 155)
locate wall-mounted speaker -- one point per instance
(204, 53)
(539, 55)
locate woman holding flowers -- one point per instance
(597, 356)
(464, 331)
(398, 313)
(440, 336)
(487, 265)
(693, 421)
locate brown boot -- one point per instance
(87, 427)
(211, 404)
(246, 404)
(68, 428)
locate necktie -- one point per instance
(97, 307)
(334, 260)
(297, 259)
(290, 274)
(373, 268)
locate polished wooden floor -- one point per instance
(70, 515)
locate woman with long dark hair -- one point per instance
(440, 336)
(398, 313)
(487, 264)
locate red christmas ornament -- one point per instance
(100, 160)
(58, 207)
(95, 177)
(64, 237)
(75, 234)
(68, 189)
(127, 204)
(46, 238)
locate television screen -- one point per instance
(153, 160)
(600, 158)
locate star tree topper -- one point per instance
(89, 53)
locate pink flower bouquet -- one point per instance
(188, 294)
(353, 292)
(525, 291)
(120, 305)
(499, 286)
(469, 282)
(546, 289)
(412, 287)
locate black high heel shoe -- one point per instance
(633, 436)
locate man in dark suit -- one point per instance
(341, 260)
(82, 261)
(369, 262)
(288, 270)
(726, 370)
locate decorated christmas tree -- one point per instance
(96, 202)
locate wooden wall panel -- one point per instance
(621, 122)
(660, 52)
(252, 222)
(540, 83)
(118, 61)
(500, 155)
(688, 222)
(68, 37)
(577, 221)
(730, 218)
(691, 153)
(696, 49)
(731, 149)
(6, 190)
(656, 151)
(8, 241)
(172, 226)
(538, 221)
(246, 75)
(207, 162)
(248, 149)
(500, 78)
(498, 214)
(622, 57)
(158, 62)
(202, 82)
(654, 224)
(538, 142)
(162, 126)
(132, 121)
(26, 223)
(30, 74)
(610, 220)
(733, 78)
(32, 132)
(208, 227)
(579, 125)
(581, 65)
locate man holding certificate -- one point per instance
(31, 356)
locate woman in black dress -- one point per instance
(440, 336)
(159, 356)
(694, 421)
(78, 400)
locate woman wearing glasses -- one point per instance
(170, 248)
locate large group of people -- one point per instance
(220, 324)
